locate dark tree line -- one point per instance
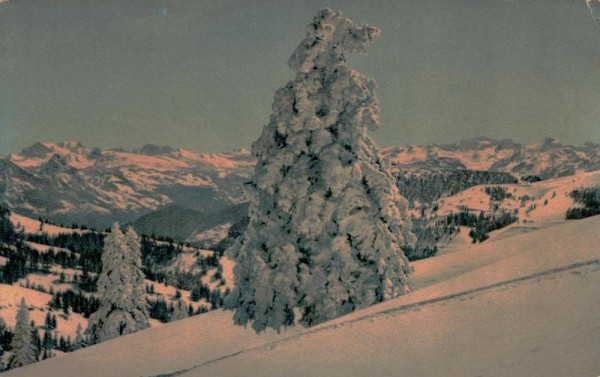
(427, 187)
(497, 193)
(531, 178)
(589, 198)
(88, 246)
(482, 224)
(78, 302)
(155, 255)
(160, 310)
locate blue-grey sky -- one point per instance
(200, 74)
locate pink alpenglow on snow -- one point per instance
(525, 305)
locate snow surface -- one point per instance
(212, 235)
(550, 198)
(524, 305)
(46, 281)
(458, 241)
(43, 249)
(31, 226)
(37, 302)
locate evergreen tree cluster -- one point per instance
(17, 266)
(427, 187)
(156, 255)
(8, 234)
(173, 311)
(85, 251)
(212, 296)
(482, 224)
(77, 302)
(11, 243)
(589, 198)
(23, 260)
(429, 233)
(531, 178)
(87, 245)
(497, 193)
(6, 337)
(51, 342)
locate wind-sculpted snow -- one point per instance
(327, 222)
(329, 37)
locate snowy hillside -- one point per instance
(538, 201)
(522, 305)
(55, 269)
(484, 211)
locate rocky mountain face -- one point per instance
(73, 183)
(68, 182)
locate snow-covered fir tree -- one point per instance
(25, 351)
(123, 308)
(327, 222)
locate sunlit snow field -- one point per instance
(522, 305)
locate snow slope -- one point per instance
(10, 296)
(553, 192)
(522, 305)
(31, 226)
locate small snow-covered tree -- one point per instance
(123, 308)
(327, 222)
(24, 349)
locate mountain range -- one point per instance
(69, 182)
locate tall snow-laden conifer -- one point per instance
(327, 222)
(24, 349)
(121, 289)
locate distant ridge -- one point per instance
(70, 182)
